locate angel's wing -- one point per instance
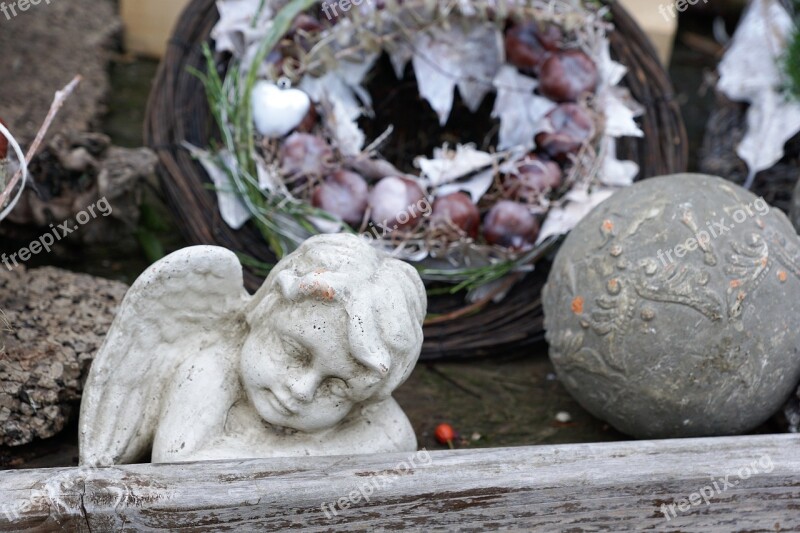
(182, 305)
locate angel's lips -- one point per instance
(279, 405)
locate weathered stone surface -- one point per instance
(673, 309)
(53, 321)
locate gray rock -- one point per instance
(46, 348)
(673, 309)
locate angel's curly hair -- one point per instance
(346, 270)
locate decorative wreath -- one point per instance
(462, 136)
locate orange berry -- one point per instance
(445, 434)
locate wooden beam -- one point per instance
(715, 484)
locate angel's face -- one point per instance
(298, 371)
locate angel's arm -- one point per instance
(184, 305)
(188, 398)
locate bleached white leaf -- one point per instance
(443, 172)
(521, 112)
(750, 65)
(483, 55)
(454, 56)
(609, 71)
(324, 225)
(620, 116)
(616, 103)
(579, 202)
(231, 206)
(448, 165)
(467, 8)
(269, 178)
(771, 121)
(435, 87)
(343, 85)
(343, 129)
(235, 32)
(614, 171)
(751, 72)
(400, 53)
(476, 186)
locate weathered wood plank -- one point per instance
(750, 483)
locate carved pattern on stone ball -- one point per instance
(628, 290)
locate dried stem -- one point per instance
(58, 101)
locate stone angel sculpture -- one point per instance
(194, 368)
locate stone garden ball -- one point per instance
(673, 309)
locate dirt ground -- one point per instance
(43, 49)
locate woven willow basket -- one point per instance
(178, 112)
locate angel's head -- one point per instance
(336, 325)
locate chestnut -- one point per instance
(571, 126)
(343, 194)
(456, 210)
(510, 224)
(523, 48)
(534, 176)
(397, 203)
(565, 76)
(303, 154)
(551, 36)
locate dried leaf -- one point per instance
(751, 72)
(235, 31)
(580, 202)
(771, 121)
(343, 85)
(400, 53)
(616, 172)
(620, 115)
(609, 71)
(449, 165)
(344, 131)
(269, 176)
(617, 104)
(324, 225)
(521, 112)
(454, 56)
(345, 100)
(476, 186)
(231, 206)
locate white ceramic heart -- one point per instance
(277, 111)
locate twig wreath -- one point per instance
(501, 171)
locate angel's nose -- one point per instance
(303, 387)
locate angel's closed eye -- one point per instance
(296, 350)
